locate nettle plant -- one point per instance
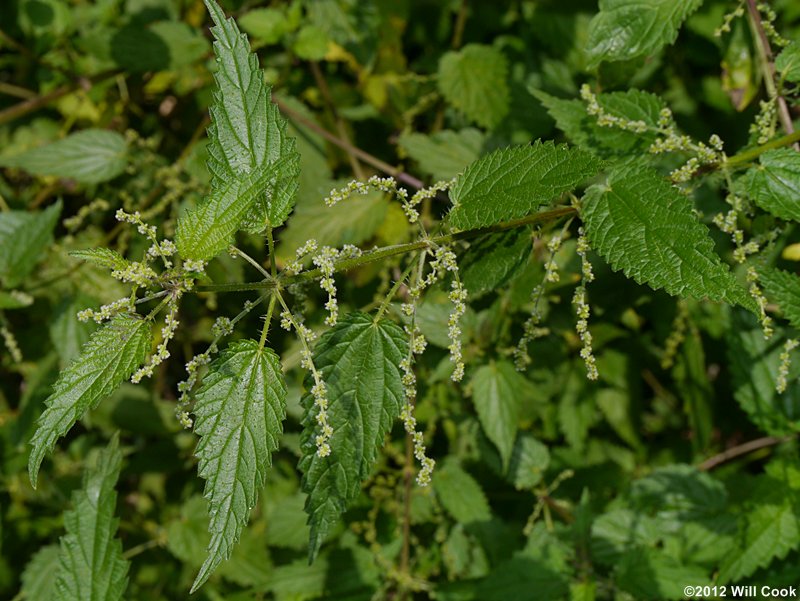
(523, 224)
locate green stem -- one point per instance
(252, 261)
(272, 264)
(393, 291)
(748, 156)
(267, 321)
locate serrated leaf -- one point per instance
(491, 261)
(624, 30)
(23, 238)
(443, 154)
(473, 80)
(495, 395)
(358, 359)
(754, 364)
(774, 184)
(39, 575)
(513, 182)
(529, 460)
(645, 227)
(90, 156)
(208, 229)
(783, 287)
(787, 63)
(92, 567)
(110, 356)
(770, 529)
(102, 257)
(460, 494)
(582, 128)
(187, 535)
(239, 412)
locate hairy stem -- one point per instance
(741, 450)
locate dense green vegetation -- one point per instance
(398, 299)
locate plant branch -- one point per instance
(355, 151)
(748, 156)
(768, 65)
(742, 449)
(33, 104)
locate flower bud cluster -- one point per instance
(11, 344)
(416, 345)
(163, 249)
(458, 296)
(136, 273)
(786, 363)
(410, 207)
(737, 13)
(75, 221)
(676, 336)
(167, 334)
(135, 218)
(768, 17)
(531, 329)
(185, 387)
(605, 119)
(325, 259)
(318, 390)
(582, 307)
(761, 301)
(728, 223)
(296, 266)
(765, 125)
(106, 312)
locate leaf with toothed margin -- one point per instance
(358, 359)
(110, 356)
(91, 564)
(239, 413)
(644, 226)
(253, 161)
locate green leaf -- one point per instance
(267, 25)
(529, 460)
(787, 63)
(110, 356)
(39, 576)
(68, 334)
(473, 80)
(754, 364)
(102, 257)
(493, 260)
(239, 414)
(582, 128)
(624, 30)
(187, 535)
(783, 287)
(23, 238)
(513, 182)
(774, 184)
(208, 229)
(652, 574)
(645, 227)
(358, 359)
(92, 566)
(90, 156)
(495, 395)
(460, 494)
(254, 162)
(443, 154)
(771, 527)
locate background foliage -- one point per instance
(548, 485)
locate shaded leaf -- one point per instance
(774, 184)
(443, 154)
(473, 80)
(495, 395)
(460, 494)
(91, 563)
(23, 238)
(89, 156)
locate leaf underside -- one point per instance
(358, 359)
(239, 414)
(110, 356)
(774, 185)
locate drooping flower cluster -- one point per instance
(11, 344)
(761, 301)
(582, 307)
(786, 363)
(325, 260)
(765, 125)
(737, 13)
(676, 336)
(167, 333)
